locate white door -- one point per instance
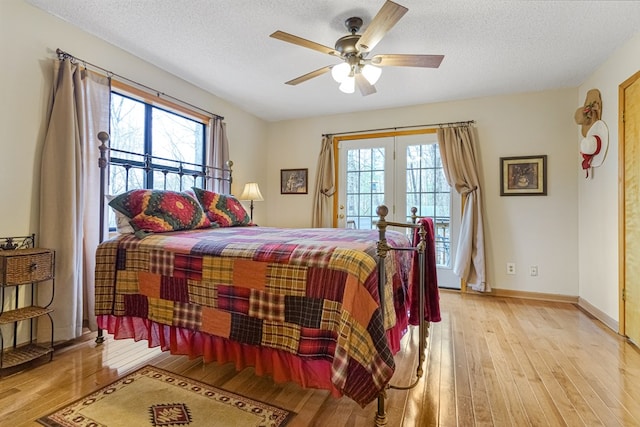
(399, 171)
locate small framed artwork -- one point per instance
(293, 181)
(523, 176)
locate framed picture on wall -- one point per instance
(523, 176)
(293, 181)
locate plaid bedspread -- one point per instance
(310, 292)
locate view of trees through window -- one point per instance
(176, 143)
(369, 174)
(365, 185)
(428, 190)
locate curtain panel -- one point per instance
(459, 160)
(218, 155)
(322, 215)
(69, 192)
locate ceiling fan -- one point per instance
(356, 69)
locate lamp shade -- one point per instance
(251, 192)
(348, 85)
(340, 72)
(371, 73)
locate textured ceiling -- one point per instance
(491, 47)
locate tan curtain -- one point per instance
(218, 155)
(325, 186)
(459, 159)
(69, 192)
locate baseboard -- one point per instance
(599, 314)
(534, 295)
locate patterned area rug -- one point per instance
(156, 398)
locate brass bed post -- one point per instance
(102, 163)
(423, 240)
(230, 168)
(382, 249)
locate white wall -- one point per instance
(598, 197)
(540, 230)
(28, 40)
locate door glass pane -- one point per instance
(378, 159)
(427, 190)
(365, 185)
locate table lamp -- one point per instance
(251, 192)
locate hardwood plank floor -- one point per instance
(492, 361)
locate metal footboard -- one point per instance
(382, 249)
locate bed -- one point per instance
(325, 308)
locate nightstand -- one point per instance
(21, 269)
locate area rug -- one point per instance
(156, 398)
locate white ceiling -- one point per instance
(491, 47)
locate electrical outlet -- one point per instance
(533, 270)
(511, 268)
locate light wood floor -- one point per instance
(491, 362)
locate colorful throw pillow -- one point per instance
(223, 209)
(157, 211)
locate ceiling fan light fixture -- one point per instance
(348, 85)
(371, 73)
(340, 72)
(354, 48)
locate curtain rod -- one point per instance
(468, 122)
(65, 55)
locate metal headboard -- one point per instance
(187, 174)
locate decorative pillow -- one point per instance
(223, 209)
(158, 211)
(122, 221)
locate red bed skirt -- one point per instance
(280, 365)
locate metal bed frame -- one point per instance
(149, 164)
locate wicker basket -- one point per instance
(23, 266)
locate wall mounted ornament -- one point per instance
(595, 141)
(593, 147)
(590, 112)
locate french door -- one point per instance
(399, 170)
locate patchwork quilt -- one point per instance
(309, 292)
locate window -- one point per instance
(140, 127)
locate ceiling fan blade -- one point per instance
(290, 38)
(385, 19)
(308, 76)
(364, 86)
(398, 60)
